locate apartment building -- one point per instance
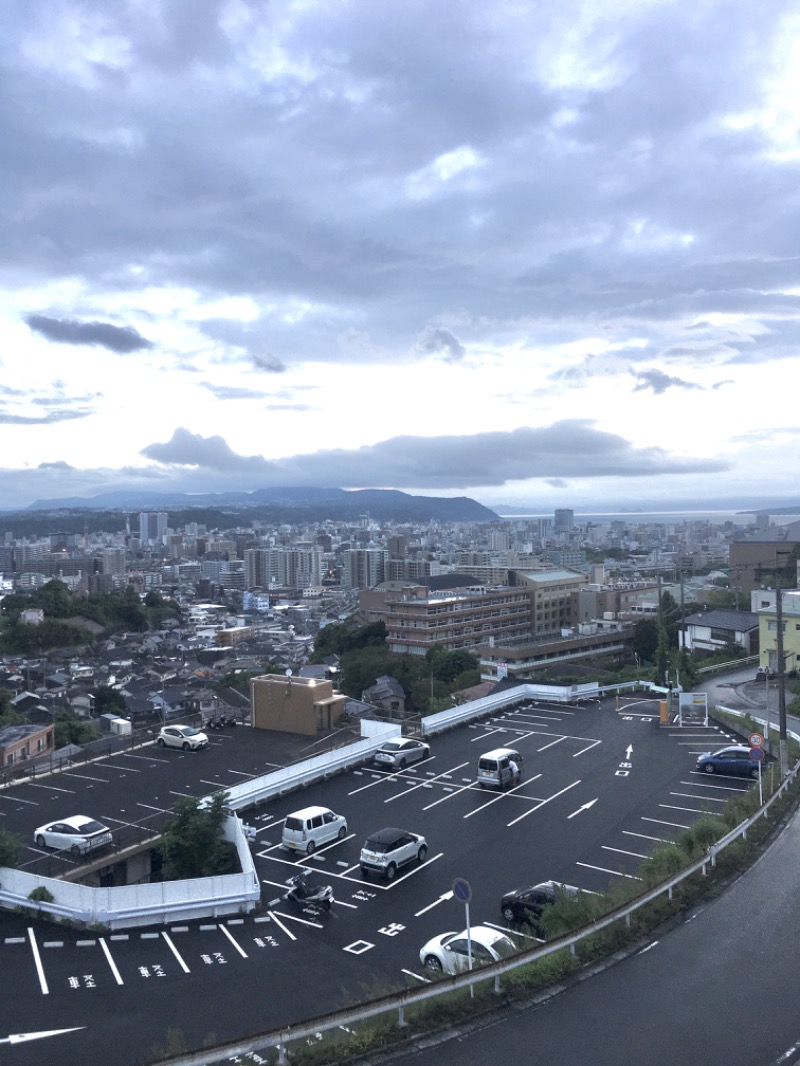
(417, 618)
(554, 602)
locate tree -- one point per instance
(645, 639)
(11, 848)
(70, 729)
(193, 844)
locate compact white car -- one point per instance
(182, 736)
(451, 951)
(76, 834)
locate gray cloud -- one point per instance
(569, 449)
(121, 339)
(436, 340)
(659, 382)
(52, 417)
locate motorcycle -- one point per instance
(299, 891)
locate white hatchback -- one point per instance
(182, 736)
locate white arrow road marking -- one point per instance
(21, 1038)
(436, 902)
(629, 752)
(585, 807)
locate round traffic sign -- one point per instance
(756, 740)
(757, 754)
(462, 890)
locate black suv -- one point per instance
(527, 904)
(388, 849)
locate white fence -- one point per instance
(437, 723)
(128, 906)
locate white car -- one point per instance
(400, 752)
(450, 952)
(77, 834)
(182, 736)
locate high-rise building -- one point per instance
(563, 520)
(364, 568)
(152, 527)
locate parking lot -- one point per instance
(601, 785)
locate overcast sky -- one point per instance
(544, 253)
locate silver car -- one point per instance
(401, 751)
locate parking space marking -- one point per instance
(85, 777)
(672, 825)
(552, 744)
(126, 769)
(110, 961)
(690, 810)
(51, 788)
(16, 799)
(280, 925)
(543, 803)
(613, 873)
(150, 807)
(644, 836)
(445, 774)
(589, 746)
(37, 958)
(411, 973)
(233, 941)
(502, 795)
(706, 799)
(619, 851)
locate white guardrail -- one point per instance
(128, 906)
(437, 723)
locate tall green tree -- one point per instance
(193, 844)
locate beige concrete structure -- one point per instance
(294, 704)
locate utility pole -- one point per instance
(784, 744)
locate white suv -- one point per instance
(388, 849)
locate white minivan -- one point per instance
(311, 827)
(500, 768)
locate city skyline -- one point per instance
(538, 255)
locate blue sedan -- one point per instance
(733, 760)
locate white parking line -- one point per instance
(175, 952)
(127, 769)
(51, 788)
(672, 825)
(542, 804)
(603, 870)
(690, 810)
(230, 937)
(644, 836)
(705, 799)
(427, 782)
(38, 961)
(110, 961)
(619, 851)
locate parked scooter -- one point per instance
(300, 891)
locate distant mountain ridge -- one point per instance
(330, 503)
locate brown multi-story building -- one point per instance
(553, 597)
(757, 559)
(417, 619)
